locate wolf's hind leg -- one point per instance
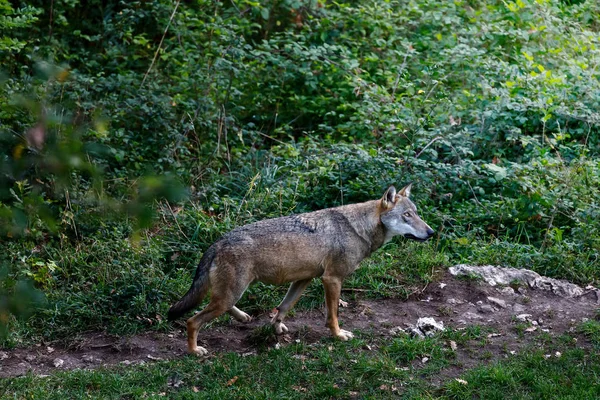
(225, 293)
(212, 311)
(239, 314)
(291, 297)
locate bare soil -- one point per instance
(458, 303)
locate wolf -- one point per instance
(328, 243)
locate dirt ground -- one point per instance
(456, 302)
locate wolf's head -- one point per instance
(399, 216)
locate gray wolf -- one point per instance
(328, 243)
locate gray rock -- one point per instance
(486, 308)
(429, 326)
(497, 302)
(58, 362)
(523, 317)
(495, 275)
(426, 326)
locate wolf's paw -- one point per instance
(243, 317)
(344, 335)
(239, 315)
(280, 328)
(199, 351)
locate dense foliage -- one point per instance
(109, 109)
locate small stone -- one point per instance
(429, 326)
(523, 317)
(486, 308)
(58, 362)
(453, 345)
(442, 285)
(50, 349)
(424, 360)
(277, 346)
(531, 329)
(3, 355)
(455, 301)
(30, 357)
(558, 354)
(126, 362)
(497, 302)
(522, 290)
(584, 319)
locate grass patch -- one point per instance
(531, 375)
(390, 368)
(385, 368)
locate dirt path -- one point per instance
(456, 302)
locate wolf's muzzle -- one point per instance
(430, 232)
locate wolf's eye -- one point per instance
(407, 214)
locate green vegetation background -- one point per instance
(134, 133)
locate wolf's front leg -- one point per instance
(333, 289)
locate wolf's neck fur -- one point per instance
(364, 218)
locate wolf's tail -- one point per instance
(199, 288)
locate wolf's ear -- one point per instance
(405, 191)
(389, 198)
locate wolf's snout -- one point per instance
(430, 232)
